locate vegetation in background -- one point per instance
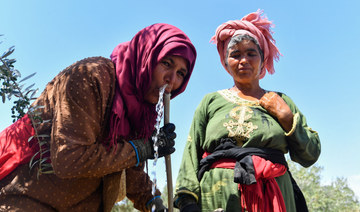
(127, 206)
(335, 197)
(13, 87)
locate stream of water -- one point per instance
(160, 112)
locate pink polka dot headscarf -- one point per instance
(256, 26)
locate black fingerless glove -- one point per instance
(165, 140)
(187, 203)
(144, 148)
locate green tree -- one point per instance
(127, 206)
(164, 197)
(124, 206)
(11, 86)
(337, 196)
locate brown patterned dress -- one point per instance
(87, 177)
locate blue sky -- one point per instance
(319, 70)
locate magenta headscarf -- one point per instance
(257, 27)
(131, 116)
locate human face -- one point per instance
(171, 70)
(244, 62)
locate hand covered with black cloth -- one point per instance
(165, 140)
(144, 148)
(187, 203)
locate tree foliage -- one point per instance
(124, 206)
(10, 86)
(13, 86)
(127, 206)
(337, 196)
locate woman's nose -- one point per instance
(170, 81)
(243, 60)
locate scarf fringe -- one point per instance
(264, 196)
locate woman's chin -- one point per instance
(153, 100)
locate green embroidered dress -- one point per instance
(223, 114)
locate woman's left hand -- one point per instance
(278, 108)
(165, 140)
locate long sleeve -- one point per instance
(303, 142)
(82, 101)
(187, 181)
(87, 175)
(79, 98)
(139, 187)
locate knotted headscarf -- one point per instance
(257, 27)
(131, 116)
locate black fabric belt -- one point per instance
(227, 149)
(244, 172)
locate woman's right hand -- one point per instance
(278, 108)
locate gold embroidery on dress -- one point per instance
(217, 186)
(232, 96)
(239, 128)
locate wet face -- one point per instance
(171, 70)
(244, 62)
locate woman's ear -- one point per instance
(262, 69)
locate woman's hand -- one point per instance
(166, 140)
(187, 203)
(278, 108)
(144, 148)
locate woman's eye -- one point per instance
(252, 54)
(182, 74)
(235, 56)
(165, 63)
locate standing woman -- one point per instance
(102, 116)
(234, 156)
